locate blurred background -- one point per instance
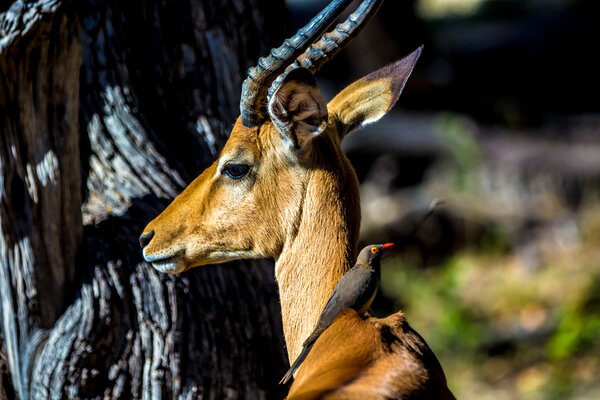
(501, 121)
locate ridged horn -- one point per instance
(331, 42)
(253, 102)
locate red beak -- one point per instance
(387, 246)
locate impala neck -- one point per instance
(318, 252)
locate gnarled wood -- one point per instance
(107, 109)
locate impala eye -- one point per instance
(236, 171)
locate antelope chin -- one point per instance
(171, 265)
(167, 265)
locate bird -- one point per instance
(356, 289)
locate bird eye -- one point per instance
(236, 171)
(373, 250)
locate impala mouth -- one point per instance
(168, 265)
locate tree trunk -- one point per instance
(107, 110)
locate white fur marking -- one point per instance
(371, 120)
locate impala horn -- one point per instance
(295, 52)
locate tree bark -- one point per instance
(107, 110)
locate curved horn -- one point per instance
(332, 42)
(254, 89)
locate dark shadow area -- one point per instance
(518, 63)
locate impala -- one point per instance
(282, 188)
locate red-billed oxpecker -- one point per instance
(356, 289)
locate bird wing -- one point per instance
(345, 294)
(288, 375)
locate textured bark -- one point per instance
(5, 384)
(107, 110)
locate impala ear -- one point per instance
(370, 98)
(298, 109)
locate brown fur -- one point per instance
(300, 205)
(373, 359)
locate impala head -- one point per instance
(249, 202)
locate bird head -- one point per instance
(371, 254)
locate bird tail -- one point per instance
(296, 365)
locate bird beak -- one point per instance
(387, 246)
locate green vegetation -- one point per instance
(457, 134)
(503, 282)
(503, 329)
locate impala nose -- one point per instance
(146, 238)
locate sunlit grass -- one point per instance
(505, 330)
(430, 9)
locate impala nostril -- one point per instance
(146, 238)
